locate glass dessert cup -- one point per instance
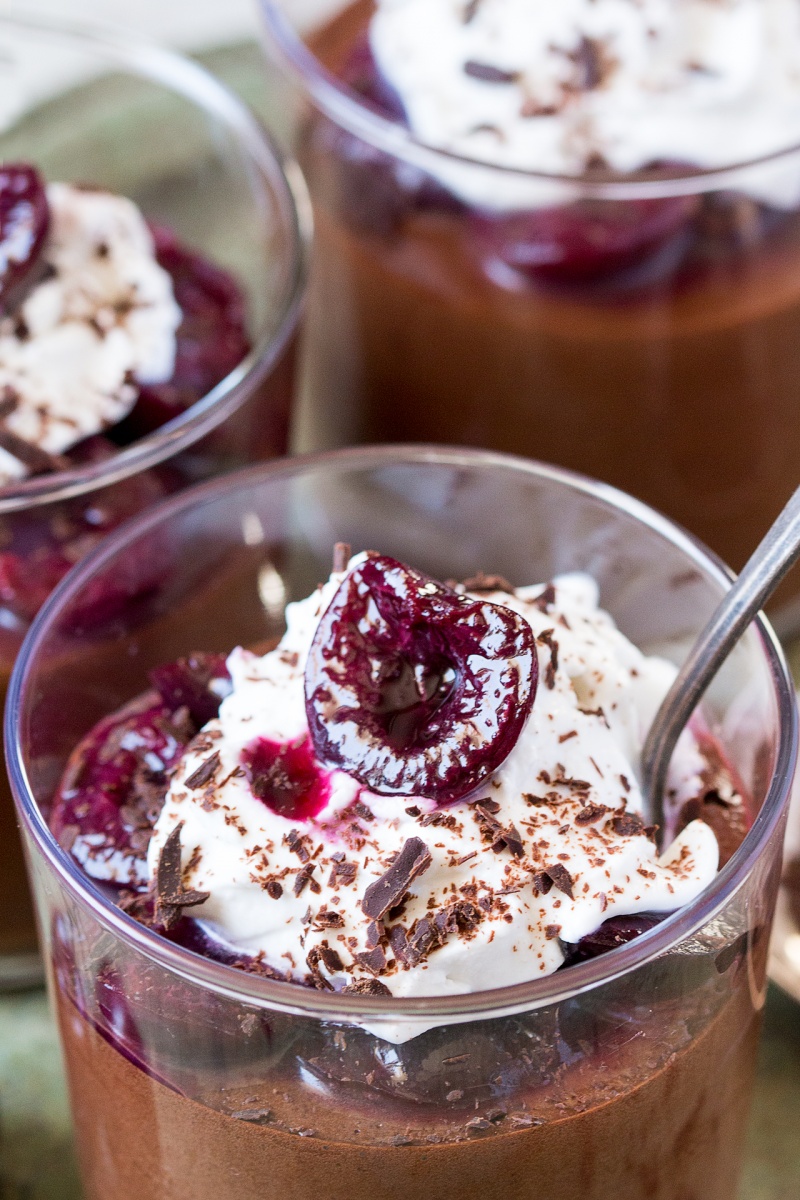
(154, 127)
(606, 317)
(622, 1076)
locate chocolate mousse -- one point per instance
(423, 789)
(648, 338)
(109, 328)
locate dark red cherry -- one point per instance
(585, 240)
(116, 779)
(413, 688)
(198, 683)
(360, 73)
(614, 932)
(286, 777)
(24, 222)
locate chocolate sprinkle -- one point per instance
(204, 773)
(413, 859)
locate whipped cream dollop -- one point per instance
(101, 321)
(561, 87)
(396, 894)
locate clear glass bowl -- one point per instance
(96, 107)
(455, 301)
(191, 1079)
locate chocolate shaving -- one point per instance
(372, 960)
(274, 889)
(413, 859)
(489, 74)
(424, 938)
(548, 640)
(546, 599)
(513, 841)
(171, 898)
(627, 824)
(204, 773)
(327, 918)
(341, 872)
(9, 401)
(488, 583)
(296, 844)
(38, 461)
(341, 557)
(560, 878)
(305, 876)
(398, 940)
(470, 10)
(361, 810)
(552, 931)
(366, 987)
(375, 934)
(591, 813)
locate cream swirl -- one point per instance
(430, 900)
(555, 87)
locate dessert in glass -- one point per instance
(151, 267)
(569, 231)
(346, 885)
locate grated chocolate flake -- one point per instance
(413, 859)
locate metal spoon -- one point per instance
(779, 551)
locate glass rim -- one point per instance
(341, 105)
(275, 170)
(291, 997)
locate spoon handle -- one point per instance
(762, 573)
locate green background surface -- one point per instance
(36, 1155)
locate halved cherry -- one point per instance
(24, 222)
(413, 688)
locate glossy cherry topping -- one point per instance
(24, 221)
(116, 779)
(413, 688)
(287, 778)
